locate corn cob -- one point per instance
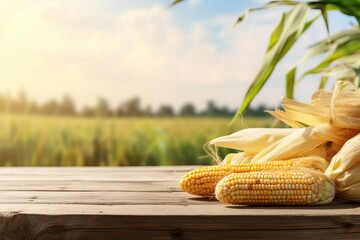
(236, 158)
(285, 186)
(202, 181)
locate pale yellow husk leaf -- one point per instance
(252, 140)
(285, 118)
(304, 113)
(351, 193)
(345, 105)
(339, 108)
(344, 169)
(346, 158)
(302, 142)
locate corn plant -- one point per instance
(343, 48)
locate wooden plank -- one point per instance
(99, 169)
(130, 203)
(183, 227)
(91, 186)
(206, 209)
(91, 170)
(84, 176)
(98, 177)
(98, 198)
(93, 173)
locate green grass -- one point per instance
(53, 141)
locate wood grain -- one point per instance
(145, 202)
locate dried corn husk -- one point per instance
(252, 140)
(302, 142)
(304, 113)
(345, 105)
(285, 118)
(320, 151)
(339, 108)
(344, 169)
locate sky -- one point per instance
(123, 49)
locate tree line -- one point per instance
(131, 108)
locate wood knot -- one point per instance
(176, 233)
(347, 224)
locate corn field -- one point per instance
(27, 140)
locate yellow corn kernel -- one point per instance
(283, 186)
(202, 181)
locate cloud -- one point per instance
(194, 2)
(50, 48)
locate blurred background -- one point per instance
(125, 83)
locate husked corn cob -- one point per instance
(283, 186)
(202, 181)
(236, 158)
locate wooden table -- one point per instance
(146, 203)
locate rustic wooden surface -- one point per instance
(146, 203)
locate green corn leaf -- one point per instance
(322, 47)
(268, 5)
(352, 60)
(274, 37)
(290, 83)
(342, 48)
(357, 79)
(325, 17)
(347, 73)
(323, 82)
(175, 2)
(284, 36)
(243, 15)
(348, 7)
(328, 44)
